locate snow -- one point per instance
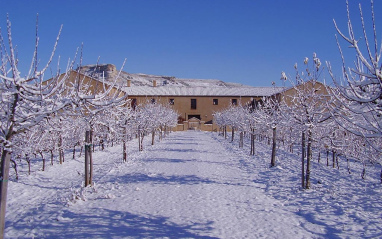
(142, 85)
(200, 91)
(193, 185)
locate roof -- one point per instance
(143, 84)
(201, 91)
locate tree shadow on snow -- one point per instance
(162, 179)
(168, 160)
(104, 223)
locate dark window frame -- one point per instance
(215, 101)
(171, 101)
(234, 101)
(193, 104)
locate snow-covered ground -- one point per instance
(194, 185)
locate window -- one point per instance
(193, 104)
(234, 101)
(215, 101)
(171, 101)
(152, 101)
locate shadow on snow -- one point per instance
(104, 223)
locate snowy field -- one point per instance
(194, 185)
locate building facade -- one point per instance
(195, 100)
(197, 105)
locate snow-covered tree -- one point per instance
(90, 98)
(149, 117)
(359, 108)
(270, 115)
(25, 101)
(307, 109)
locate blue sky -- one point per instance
(248, 42)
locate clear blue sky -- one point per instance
(245, 41)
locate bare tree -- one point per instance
(307, 109)
(90, 97)
(270, 116)
(25, 101)
(359, 107)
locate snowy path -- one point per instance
(187, 186)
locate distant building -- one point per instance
(195, 100)
(198, 103)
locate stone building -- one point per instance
(195, 100)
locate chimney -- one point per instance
(128, 83)
(154, 83)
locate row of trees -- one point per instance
(39, 117)
(344, 120)
(62, 132)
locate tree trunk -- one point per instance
(82, 147)
(140, 138)
(308, 160)
(91, 159)
(252, 142)
(51, 156)
(15, 167)
(327, 158)
(4, 177)
(124, 152)
(29, 163)
(74, 151)
(87, 150)
(61, 153)
(102, 144)
(153, 137)
(348, 165)
(273, 157)
(303, 160)
(233, 134)
(334, 158)
(241, 143)
(43, 161)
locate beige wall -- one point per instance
(204, 104)
(306, 88)
(182, 104)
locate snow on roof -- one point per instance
(200, 91)
(142, 84)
